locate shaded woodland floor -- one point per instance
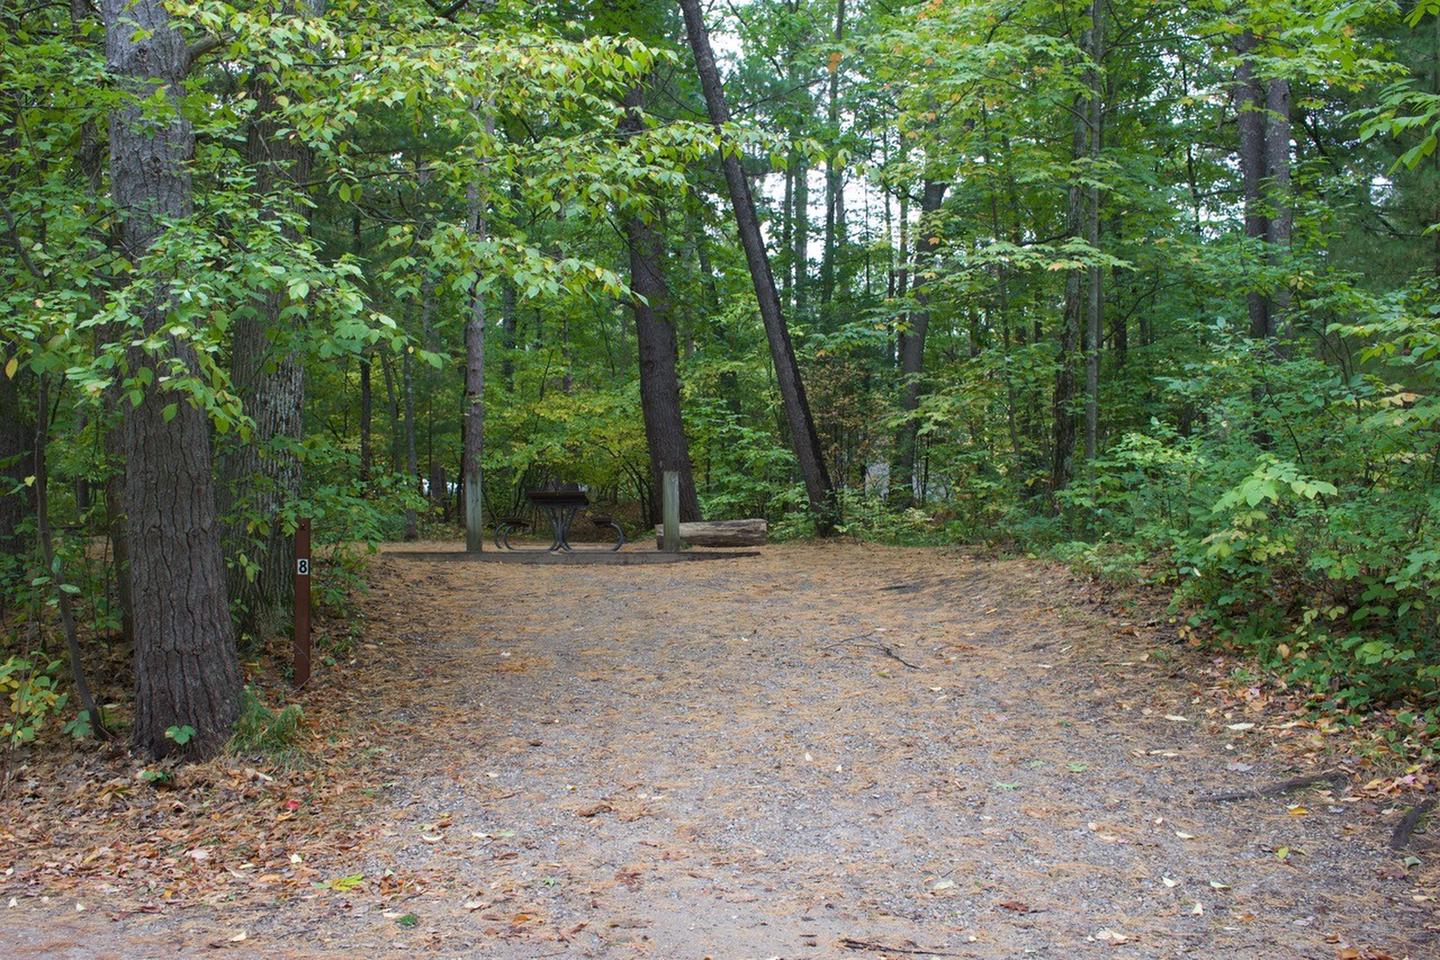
(826, 751)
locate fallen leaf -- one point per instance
(1112, 938)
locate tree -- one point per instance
(803, 438)
(261, 473)
(186, 673)
(655, 338)
(912, 349)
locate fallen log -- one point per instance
(719, 533)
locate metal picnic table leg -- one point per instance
(567, 517)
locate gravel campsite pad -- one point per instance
(824, 751)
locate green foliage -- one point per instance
(180, 734)
(259, 729)
(30, 686)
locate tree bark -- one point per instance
(800, 239)
(834, 179)
(17, 457)
(1282, 215)
(186, 671)
(912, 352)
(412, 471)
(57, 573)
(474, 442)
(1064, 420)
(655, 335)
(261, 474)
(1094, 306)
(1250, 122)
(367, 419)
(818, 487)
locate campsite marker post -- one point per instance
(302, 603)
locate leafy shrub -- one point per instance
(32, 697)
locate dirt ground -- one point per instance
(825, 751)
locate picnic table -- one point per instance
(560, 508)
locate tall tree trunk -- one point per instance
(1250, 120)
(474, 441)
(806, 443)
(17, 456)
(1277, 169)
(260, 475)
(655, 336)
(367, 419)
(57, 573)
(834, 182)
(412, 470)
(786, 253)
(17, 430)
(1094, 303)
(912, 352)
(1064, 420)
(800, 238)
(186, 670)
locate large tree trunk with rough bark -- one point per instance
(261, 474)
(186, 671)
(912, 353)
(655, 337)
(806, 443)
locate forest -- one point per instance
(1144, 287)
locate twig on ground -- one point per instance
(889, 652)
(1401, 837)
(1335, 777)
(850, 943)
(884, 648)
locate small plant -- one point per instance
(180, 734)
(262, 730)
(33, 696)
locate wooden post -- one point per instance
(302, 604)
(670, 511)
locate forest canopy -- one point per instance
(1149, 287)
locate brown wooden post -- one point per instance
(302, 603)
